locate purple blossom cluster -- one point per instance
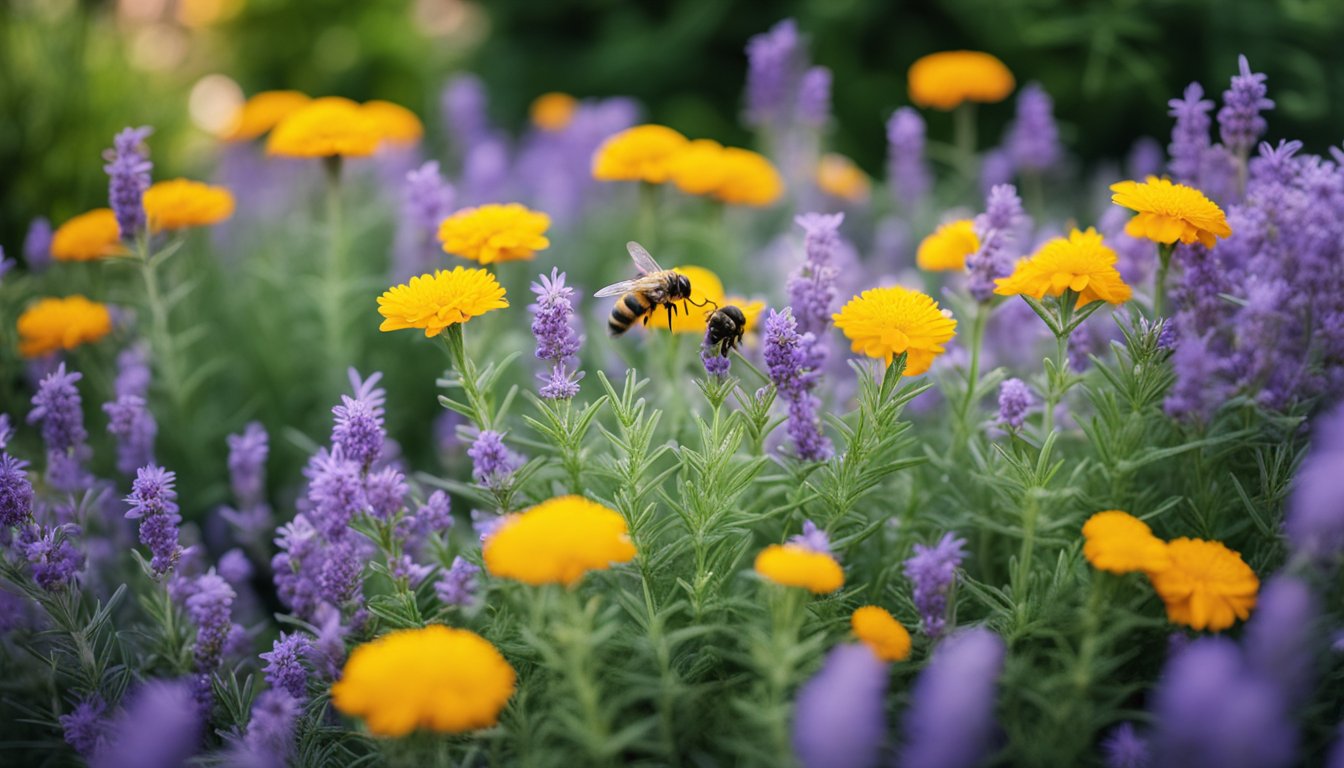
(1032, 141)
(269, 740)
(153, 502)
(128, 170)
(492, 463)
(839, 716)
(776, 61)
(285, 668)
(1239, 120)
(210, 607)
(358, 432)
(811, 288)
(557, 340)
(52, 555)
(933, 571)
(37, 244)
(16, 492)
(908, 172)
(1315, 516)
(457, 586)
(58, 409)
(950, 720)
(129, 419)
(160, 725)
(998, 229)
(1015, 399)
(788, 354)
(427, 199)
(251, 514)
(84, 726)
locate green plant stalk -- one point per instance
(466, 373)
(786, 622)
(973, 370)
(647, 224)
(578, 671)
(1056, 389)
(963, 127)
(160, 333)
(1160, 279)
(1030, 512)
(333, 277)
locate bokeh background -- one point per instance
(72, 72)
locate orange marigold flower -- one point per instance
(261, 113)
(325, 127)
(1121, 543)
(881, 632)
(182, 203)
(793, 565)
(434, 302)
(947, 249)
(557, 542)
(698, 167)
(1081, 263)
(553, 111)
(393, 123)
(838, 176)
(748, 179)
(884, 322)
(945, 80)
(1170, 212)
(491, 233)
(1207, 585)
(53, 324)
(88, 236)
(641, 153)
(438, 678)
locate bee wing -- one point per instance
(642, 258)
(616, 289)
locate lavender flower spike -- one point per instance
(1239, 121)
(53, 556)
(37, 244)
(493, 464)
(458, 585)
(814, 97)
(774, 62)
(840, 717)
(811, 287)
(908, 173)
(1315, 518)
(1190, 134)
(716, 364)
(1033, 138)
(358, 433)
(131, 423)
(787, 357)
(16, 491)
(128, 170)
(284, 664)
(950, 720)
(933, 570)
(58, 409)
(1014, 400)
(1281, 638)
(428, 200)
(269, 740)
(153, 502)
(997, 229)
(247, 464)
(813, 538)
(557, 341)
(210, 607)
(160, 728)
(1123, 748)
(84, 727)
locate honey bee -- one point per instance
(655, 287)
(727, 325)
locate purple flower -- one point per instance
(339, 578)
(435, 515)
(557, 341)
(84, 726)
(813, 538)
(53, 556)
(427, 199)
(284, 664)
(1281, 638)
(58, 408)
(997, 229)
(485, 523)
(1239, 121)
(247, 464)
(716, 363)
(787, 357)
(405, 567)
(811, 287)
(1145, 159)
(1190, 134)
(463, 104)
(457, 586)
(385, 492)
(814, 97)
(16, 492)
(336, 492)
(160, 728)
(128, 169)
(950, 720)
(37, 244)
(908, 173)
(6, 264)
(996, 167)
(134, 427)
(210, 607)
(493, 464)
(6, 431)
(329, 644)
(1124, 748)
(1014, 400)
(269, 740)
(1033, 139)
(358, 433)
(1315, 518)
(774, 64)
(839, 717)
(153, 502)
(297, 566)
(933, 570)
(1211, 710)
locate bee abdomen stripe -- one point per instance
(634, 304)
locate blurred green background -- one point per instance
(72, 73)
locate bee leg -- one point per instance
(670, 309)
(647, 315)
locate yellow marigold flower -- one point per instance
(880, 631)
(751, 310)
(705, 286)
(557, 542)
(553, 111)
(88, 236)
(884, 322)
(948, 247)
(945, 80)
(325, 127)
(1207, 585)
(439, 678)
(642, 153)
(1121, 543)
(838, 176)
(53, 324)
(698, 167)
(793, 565)
(1170, 212)
(748, 179)
(261, 113)
(1081, 263)
(493, 232)
(182, 203)
(392, 122)
(434, 302)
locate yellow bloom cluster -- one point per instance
(793, 565)
(491, 233)
(557, 542)
(434, 302)
(1081, 263)
(1170, 212)
(261, 113)
(947, 249)
(332, 126)
(53, 324)
(948, 79)
(884, 322)
(657, 154)
(393, 123)
(439, 678)
(880, 631)
(182, 203)
(1204, 584)
(88, 236)
(838, 176)
(553, 111)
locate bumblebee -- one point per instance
(726, 327)
(654, 288)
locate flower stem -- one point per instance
(973, 370)
(466, 375)
(964, 135)
(333, 277)
(579, 673)
(1160, 280)
(160, 335)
